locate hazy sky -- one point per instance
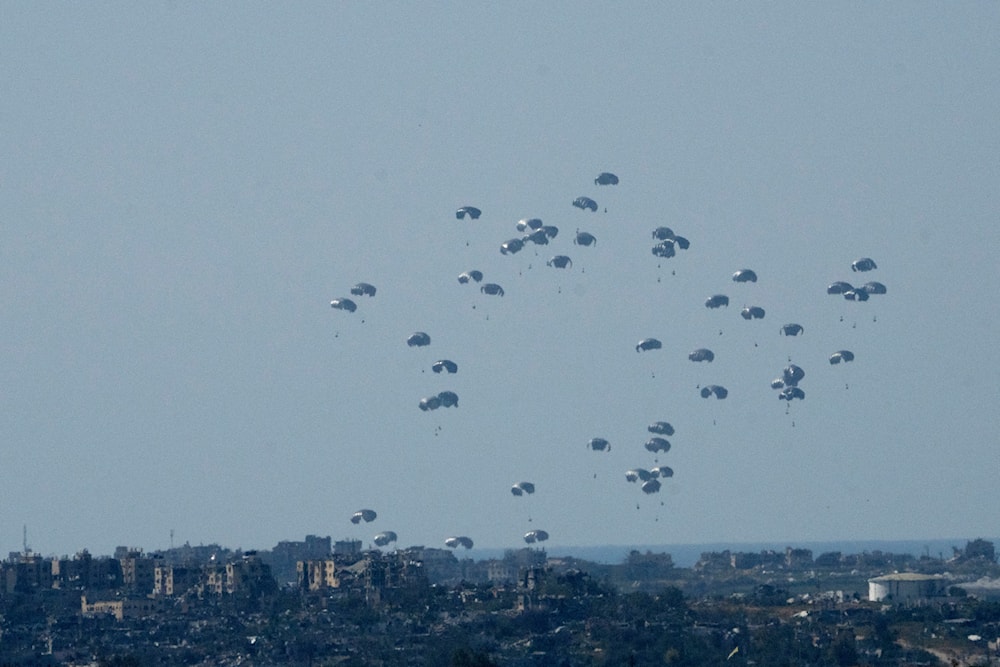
(184, 187)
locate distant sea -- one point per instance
(686, 555)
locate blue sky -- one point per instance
(185, 187)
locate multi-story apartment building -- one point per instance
(175, 580)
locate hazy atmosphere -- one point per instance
(185, 188)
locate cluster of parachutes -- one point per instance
(533, 230)
(668, 242)
(852, 293)
(369, 515)
(648, 480)
(476, 276)
(788, 383)
(443, 399)
(345, 303)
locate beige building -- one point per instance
(137, 569)
(119, 608)
(317, 575)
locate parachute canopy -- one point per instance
(702, 354)
(791, 329)
(365, 515)
(384, 538)
(841, 355)
(533, 536)
(429, 403)
(752, 313)
(839, 287)
(874, 287)
(584, 203)
(492, 289)
(511, 247)
(418, 339)
(460, 541)
(661, 428)
(606, 178)
(790, 393)
(363, 289)
(521, 488)
(344, 304)
(538, 237)
(444, 365)
(657, 444)
(470, 211)
(560, 262)
(664, 249)
(745, 276)
(863, 264)
(856, 294)
(449, 399)
(713, 389)
(717, 301)
(648, 344)
(792, 375)
(474, 275)
(585, 239)
(651, 486)
(599, 444)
